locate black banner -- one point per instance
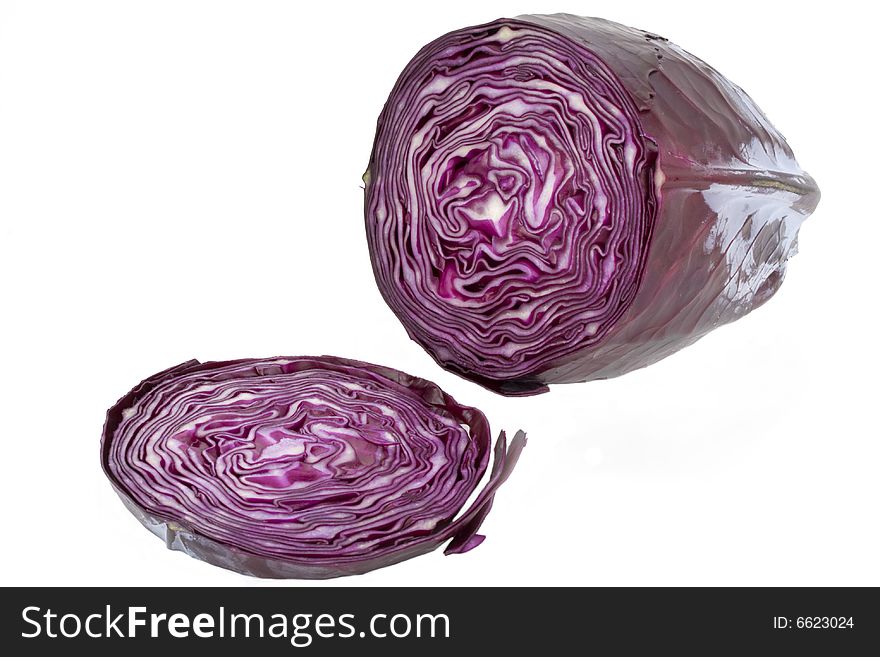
(398, 621)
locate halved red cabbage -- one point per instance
(302, 467)
(553, 199)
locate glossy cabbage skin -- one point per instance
(304, 467)
(555, 199)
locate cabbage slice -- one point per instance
(302, 467)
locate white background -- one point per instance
(182, 179)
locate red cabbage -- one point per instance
(302, 467)
(554, 199)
